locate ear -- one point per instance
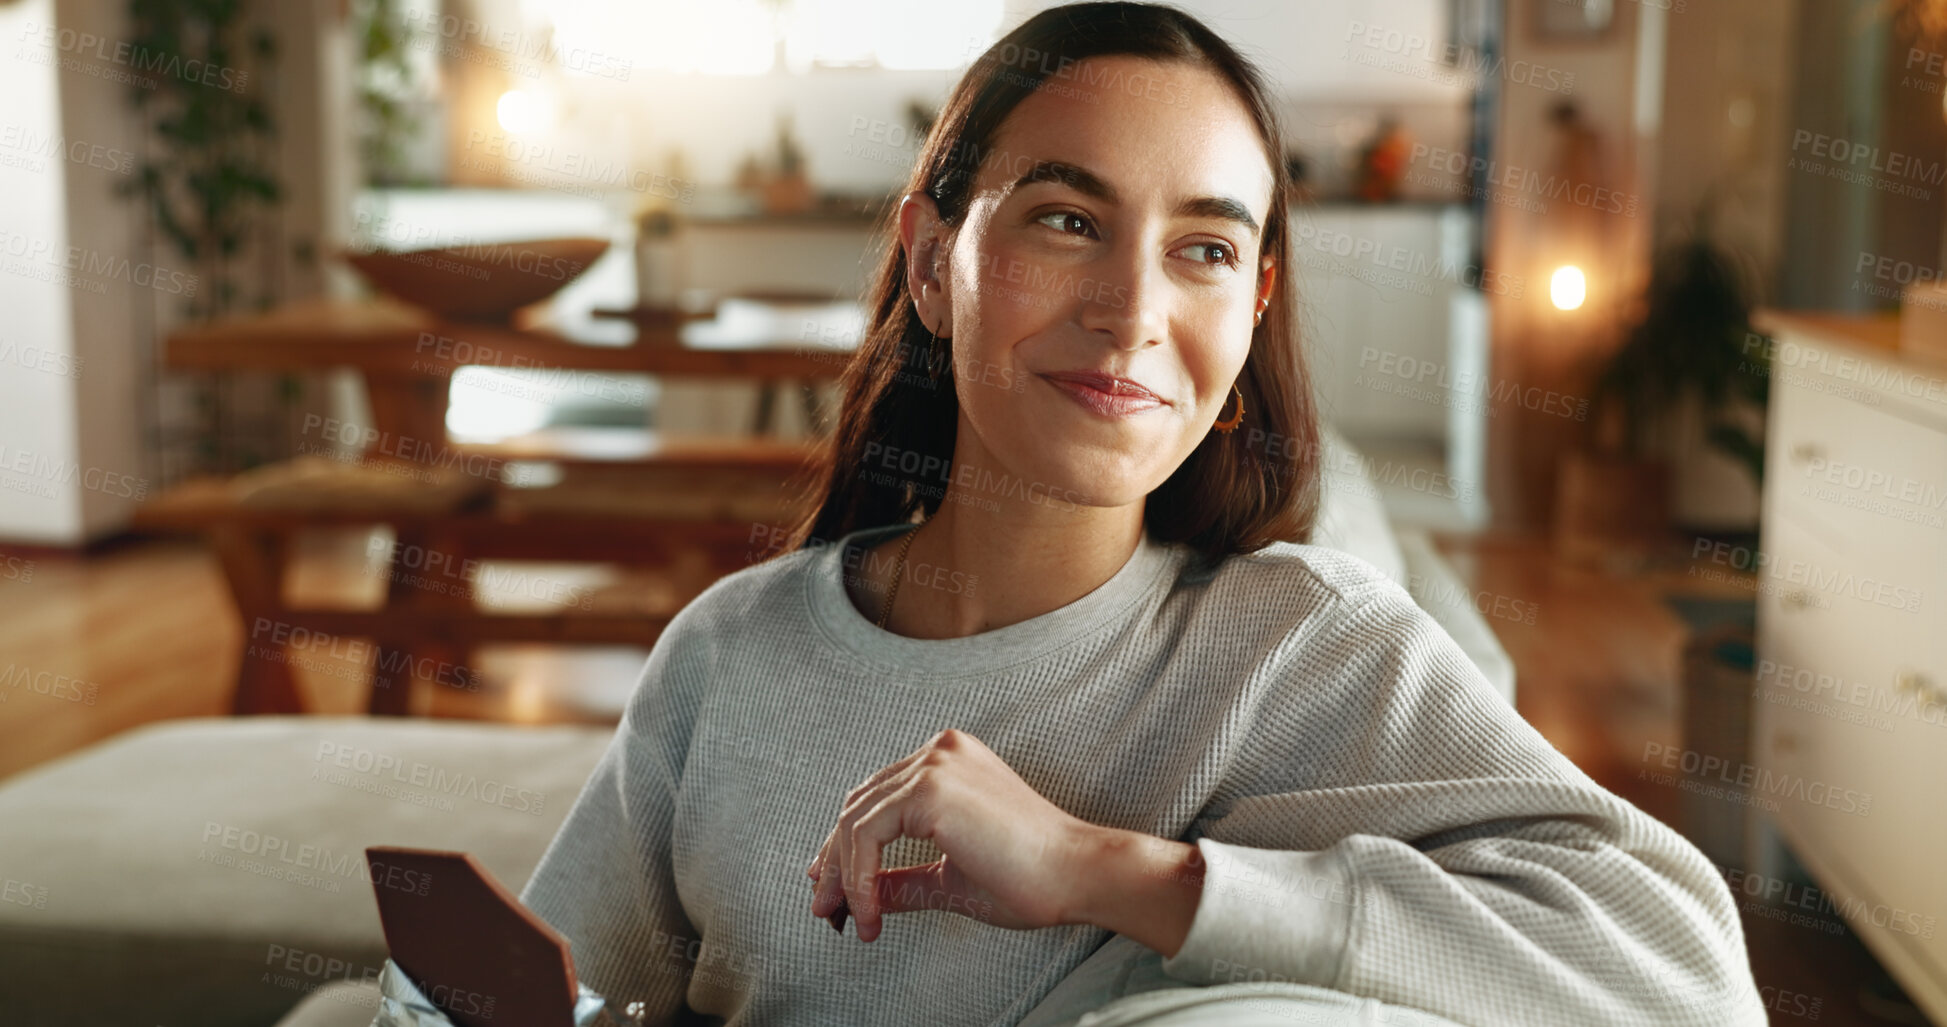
(1267, 276)
(925, 239)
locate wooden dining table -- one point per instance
(407, 357)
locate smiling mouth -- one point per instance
(1104, 394)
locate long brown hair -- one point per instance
(1235, 493)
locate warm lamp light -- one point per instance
(1568, 288)
(519, 112)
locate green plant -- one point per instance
(385, 82)
(1693, 336)
(206, 176)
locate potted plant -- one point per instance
(789, 190)
(1691, 375)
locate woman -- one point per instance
(1100, 729)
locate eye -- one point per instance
(1067, 222)
(1215, 254)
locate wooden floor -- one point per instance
(93, 646)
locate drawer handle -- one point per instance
(1915, 683)
(1785, 742)
(1797, 599)
(1807, 452)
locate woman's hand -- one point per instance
(1010, 857)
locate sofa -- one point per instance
(207, 871)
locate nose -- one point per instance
(1129, 304)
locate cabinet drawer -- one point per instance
(1872, 484)
(1853, 651)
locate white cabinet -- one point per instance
(1850, 725)
(1394, 328)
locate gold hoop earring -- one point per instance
(1230, 424)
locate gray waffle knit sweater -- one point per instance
(1373, 818)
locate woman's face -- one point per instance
(1113, 233)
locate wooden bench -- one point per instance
(702, 520)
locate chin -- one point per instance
(1091, 476)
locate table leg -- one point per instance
(429, 571)
(253, 565)
(409, 412)
(766, 416)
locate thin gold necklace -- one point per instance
(899, 572)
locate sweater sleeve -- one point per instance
(605, 881)
(1389, 827)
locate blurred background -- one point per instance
(377, 377)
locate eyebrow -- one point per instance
(1090, 184)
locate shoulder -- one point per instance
(750, 602)
(1320, 609)
(1289, 579)
(750, 596)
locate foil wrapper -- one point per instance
(402, 1005)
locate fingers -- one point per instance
(827, 898)
(846, 869)
(911, 889)
(871, 824)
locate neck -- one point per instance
(984, 560)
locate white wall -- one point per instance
(37, 398)
(109, 327)
(1306, 47)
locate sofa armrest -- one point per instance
(1440, 592)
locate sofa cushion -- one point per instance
(211, 871)
(1351, 517)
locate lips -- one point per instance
(1104, 394)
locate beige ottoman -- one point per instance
(211, 871)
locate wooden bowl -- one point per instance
(478, 281)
